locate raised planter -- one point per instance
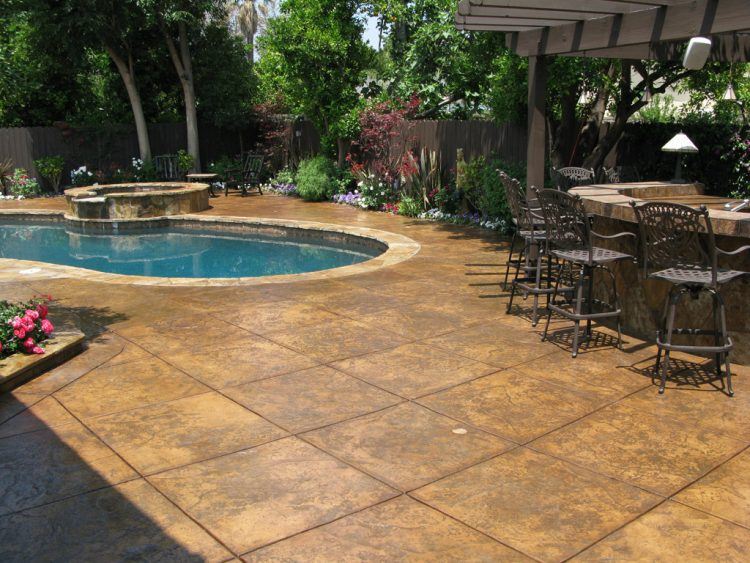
(17, 369)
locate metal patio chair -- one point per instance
(570, 240)
(678, 246)
(245, 177)
(530, 228)
(168, 167)
(572, 176)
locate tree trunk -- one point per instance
(127, 74)
(341, 143)
(184, 67)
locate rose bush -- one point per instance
(24, 326)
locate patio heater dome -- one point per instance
(680, 144)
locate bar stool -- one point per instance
(529, 227)
(570, 240)
(679, 247)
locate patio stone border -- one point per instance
(396, 248)
(19, 368)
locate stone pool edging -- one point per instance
(397, 248)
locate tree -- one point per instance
(316, 47)
(247, 18)
(427, 56)
(174, 18)
(580, 93)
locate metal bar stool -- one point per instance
(570, 240)
(679, 247)
(529, 227)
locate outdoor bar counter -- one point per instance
(643, 300)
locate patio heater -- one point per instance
(680, 144)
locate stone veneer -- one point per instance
(643, 300)
(132, 201)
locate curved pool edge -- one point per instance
(398, 248)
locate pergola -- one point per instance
(620, 29)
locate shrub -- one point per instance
(409, 207)
(142, 170)
(738, 156)
(51, 169)
(21, 184)
(185, 161)
(81, 176)
(315, 179)
(23, 327)
(6, 171)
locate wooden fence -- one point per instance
(113, 146)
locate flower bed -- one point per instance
(24, 327)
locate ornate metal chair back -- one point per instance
(572, 176)
(567, 224)
(675, 236)
(516, 198)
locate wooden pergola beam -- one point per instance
(673, 22)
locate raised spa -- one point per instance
(185, 252)
(133, 201)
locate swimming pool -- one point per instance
(176, 252)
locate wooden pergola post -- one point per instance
(537, 125)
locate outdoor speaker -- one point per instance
(697, 53)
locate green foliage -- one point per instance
(21, 184)
(284, 176)
(316, 54)
(51, 169)
(429, 57)
(661, 110)
(409, 207)
(185, 161)
(315, 179)
(738, 158)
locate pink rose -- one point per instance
(37, 350)
(28, 324)
(1, 346)
(16, 322)
(32, 314)
(43, 310)
(19, 333)
(29, 344)
(47, 326)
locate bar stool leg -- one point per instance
(553, 298)
(670, 329)
(510, 260)
(522, 255)
(725, 340)
(537, 281)
(579, 299)
(616, 298)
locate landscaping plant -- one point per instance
(81, 176)
(6, 169)
(315, 179)
(24, 326)
(21, 184)
(51, 169)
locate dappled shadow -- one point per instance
(685, 375)
(562, 337)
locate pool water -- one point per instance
(179, 253)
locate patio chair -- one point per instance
(572, 176)
(529, 227)
(570, 240)
(621, 174)
(168, 168)
(678, 247)
(245, 177)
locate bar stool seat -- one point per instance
(597, 255)
(695, 276)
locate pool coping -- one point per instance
(398, 249)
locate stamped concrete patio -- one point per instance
(395, 415)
